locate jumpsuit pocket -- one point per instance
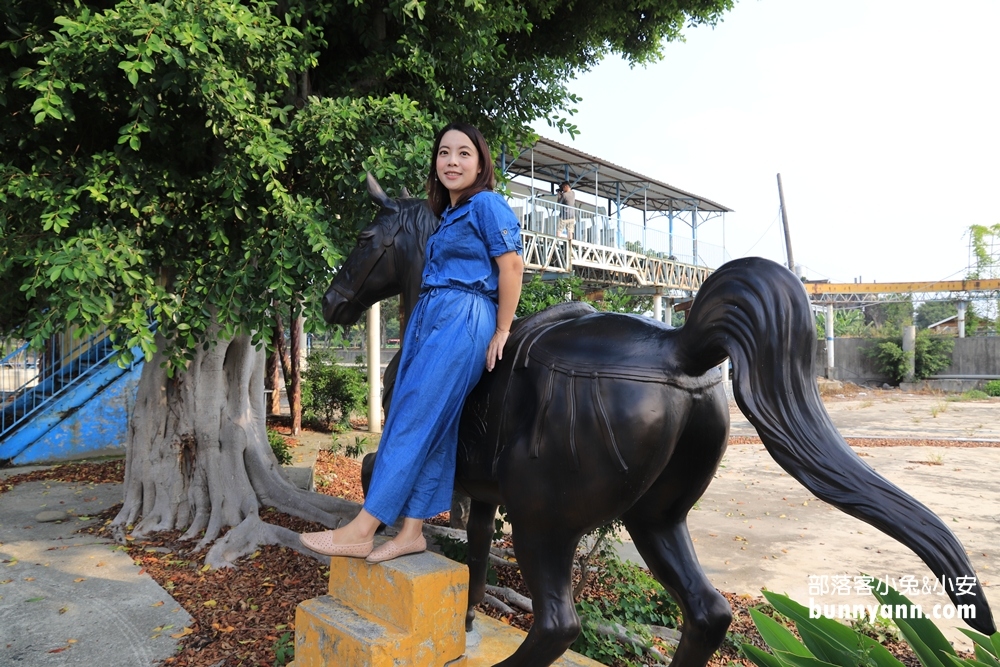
(477, 322)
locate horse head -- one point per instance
(387, 260)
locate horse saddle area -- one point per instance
(575, 357)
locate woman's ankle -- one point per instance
(411, 530)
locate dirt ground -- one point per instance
(757, 527)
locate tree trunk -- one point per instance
(294, 388)
(272, 383)
(198, 460)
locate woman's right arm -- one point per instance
(511, 271)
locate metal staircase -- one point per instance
(40, 390)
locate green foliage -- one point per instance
(881, 629)
(890, 359)
(620, 301)
(981, 240)
(888, 317)
(284, 650)
(538, 294)
(458, 551)
(992, 388)
(632, 599)
(971, 395)
(358, 448)
(833, 643)
(931, 354)
(846, 324)
(279, 446)
(196, 161)
(330, 393)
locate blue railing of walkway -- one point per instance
(31, 380)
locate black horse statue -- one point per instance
(596, 416)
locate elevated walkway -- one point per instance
(617, 230)
(607, 266)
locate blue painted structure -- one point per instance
(79, 408)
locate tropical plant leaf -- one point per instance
(981, 640)
(809, 661)
(986, 657)
(923, 636)
(761, 658)
(776, 636)
(879, 653)
(842, 650)
(832, 633)
(961, 662)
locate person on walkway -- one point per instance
(567, 214)
(470, 289)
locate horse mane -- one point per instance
(417, 220)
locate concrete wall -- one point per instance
(978, 356)
(975, 356)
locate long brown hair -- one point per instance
(438, 196)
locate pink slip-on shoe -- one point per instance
(322, 542)
(390, 550)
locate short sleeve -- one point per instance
(498, 224)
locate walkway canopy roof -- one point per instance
(553, 162)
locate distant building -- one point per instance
(947, 326)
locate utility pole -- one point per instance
(784, 224)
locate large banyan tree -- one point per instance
(176, 170)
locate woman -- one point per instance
(471, 285)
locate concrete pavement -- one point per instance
(71, 599)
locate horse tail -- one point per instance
(756, 312)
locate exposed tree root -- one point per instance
(513, 597)
(247, 537)
(497, 604)
(623, 636)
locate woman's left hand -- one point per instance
(494, 352)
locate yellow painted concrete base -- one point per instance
(492, 641)
(405, 612)
(409, 611)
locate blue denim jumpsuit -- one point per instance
(444, 356)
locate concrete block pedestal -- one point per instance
(408, 611)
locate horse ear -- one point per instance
(406, 193)
(378, 195)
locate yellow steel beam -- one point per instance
(892, 288)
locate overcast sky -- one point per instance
(881, 117)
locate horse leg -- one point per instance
(671, 558)
(480, 535)
(546, 565)
(657, 523)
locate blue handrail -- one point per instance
(28, 385)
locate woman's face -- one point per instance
(457, 163)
